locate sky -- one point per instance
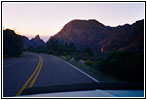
(48, 18)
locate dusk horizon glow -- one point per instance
(47, 19)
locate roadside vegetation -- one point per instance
(113, 66)
(12, 44)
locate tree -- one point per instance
(71, 47)
(41, 49)
(52, 45)
(31, 49)
(13, 44)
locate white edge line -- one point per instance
(78, 70)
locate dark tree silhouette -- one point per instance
(13, 44)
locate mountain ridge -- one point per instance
(93, 34)
(34, 42)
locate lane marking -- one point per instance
(78, 69)
(33, 81)
(29, 79)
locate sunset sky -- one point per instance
(48, 18)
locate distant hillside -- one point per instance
(27, 43)
(37, 41)
(101, 38)
(12, 43)
(34, 42)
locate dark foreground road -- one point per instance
(38, 70)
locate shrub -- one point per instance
(88, 62)
(124, 66)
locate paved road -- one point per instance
(38, 70)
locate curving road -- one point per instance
(38, 70)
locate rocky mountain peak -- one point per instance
(93, 34)
(37, 36)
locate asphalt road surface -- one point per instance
(37, 70)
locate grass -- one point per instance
(89, 70)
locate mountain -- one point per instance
(34, 42)
(37, 41)
(125, 37)
(101, 38)
(27, 43)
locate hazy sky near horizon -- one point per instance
(48, 18)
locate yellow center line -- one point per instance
(30, 78)
(33, 81)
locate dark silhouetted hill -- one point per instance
(34, 42)
(37, 41)
(12, 43)
(27, 43)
